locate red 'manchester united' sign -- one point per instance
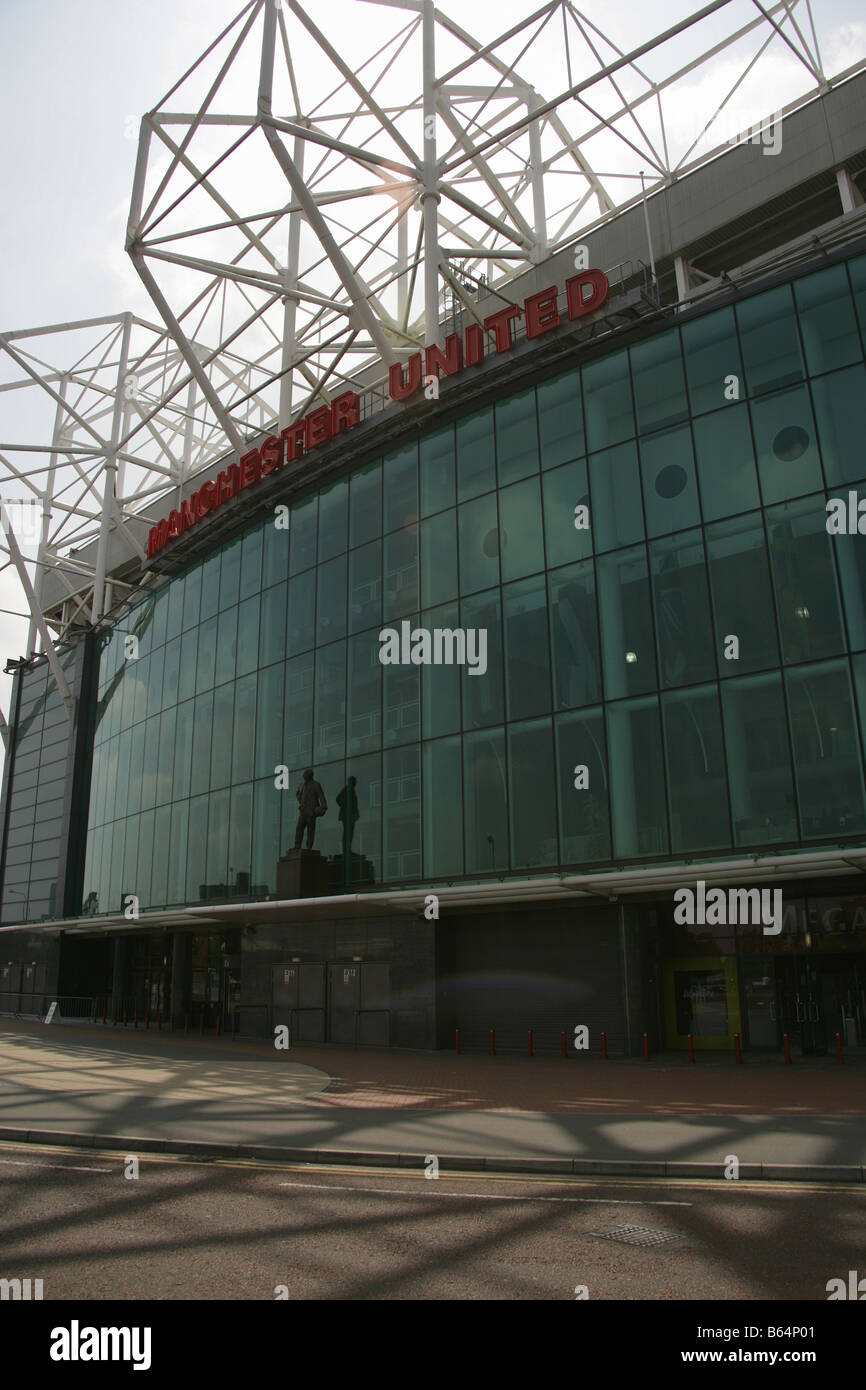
(541, 312)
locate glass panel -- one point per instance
(682, 610)
(272, 632)
(437, 471)
(637, 785)
(170, 675)
(626, 623)
(267, 841)
(223, 722)
(478, 535)
(151, 758)
(840, 408)
(726, 462)
(857, 272)
(365, 504)
(402, 815)
(607, 401)
(584, 820)
(659, 383)
(359, 807)
(210, 587)
(807, 602)
(192, 598)
(574, 636)
(482, 694)
(617, 515)
(226, 648)
(516, 437)
(206, 661)
(154, 689)
(712, 354)
(333, 519)
(298, 736)
(742, 595)
(476, 462)
(196, 868)
(175, 612)
(520, 530)
(301, 624)
(230, 574)
(400, 597)
(786, 446)
(401, 488)
(217, 845)
(160, 616)
(331, 600)
(161, 842)
(827, 759)
(240, 848)
(527, 650)
(531, 805)
(244, 729)
(251, 563)
(439, 558)
(139, 676)
(697, 784)
(248, 635)
(443, 811)
(758, 758)
(145, 856)
(365, 694)
(402, 700)
(275, 564)
(770, 342)
(560, 419)
(165, 765)
(269, 721)
(303, 524)
(851, 558)
(565, 489)
(365, 587)
(186, 678)
(203, 735)
(176, 887)
(485, 802)
(183, 750)
(330, 741)
(440, 685)
(827, 321)
(669, 487)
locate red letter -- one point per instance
(577, 305)
(187, 515)
(207, 498)
(399, 391)
(227, 485)
(294, 436)
(250, 470)
(318, 425)
(345, 412)
(474, 345)
(272, 454)
(449, 361)
(541, 313)
(173, 524)
(152, 541)
(501, 325)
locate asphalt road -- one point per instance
(244, 1230)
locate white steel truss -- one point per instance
(306, 210)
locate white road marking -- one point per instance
(66, 1167)
(484, 1196)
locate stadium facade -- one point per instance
(622, 482)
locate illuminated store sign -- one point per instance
(585, 294)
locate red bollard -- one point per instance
(457, 1040)
(135, 1019)
(492, 1042)
(219, 1026)
(147, 1019)
(564, 1048)
(738, 1055)
(646, 1047)
(839, 1048)
(691, 1048)
(604, 1047)
(787, 1049)
(186, 1023)
(529, 1042)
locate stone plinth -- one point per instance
(302, 873)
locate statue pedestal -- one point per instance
(302, 873)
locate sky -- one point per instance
(77, 75)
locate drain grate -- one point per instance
(644, 1236)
